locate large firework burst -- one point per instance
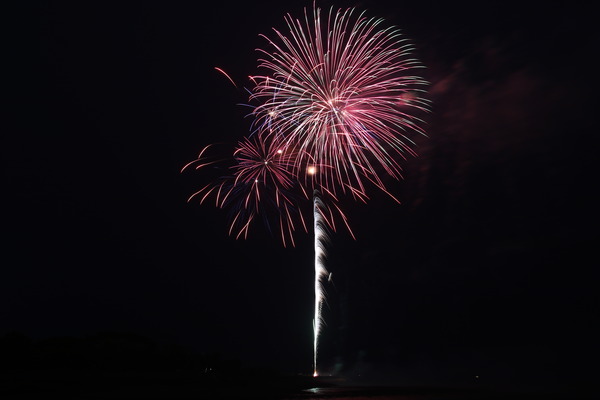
(343, 92)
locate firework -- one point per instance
(258, 182)
(342, 90)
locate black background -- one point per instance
(486, 268)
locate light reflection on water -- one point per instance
(420, 393)
(361, 393)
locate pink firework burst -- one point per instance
(344, 93)
(260, 182)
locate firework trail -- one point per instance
(320, 240)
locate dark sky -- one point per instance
(486, 268)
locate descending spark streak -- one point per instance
(227, 75)
(321, 238)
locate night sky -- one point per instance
(486, 268)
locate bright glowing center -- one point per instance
(311, 170)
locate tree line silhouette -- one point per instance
(106, 351)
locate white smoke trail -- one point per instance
(321, 238)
